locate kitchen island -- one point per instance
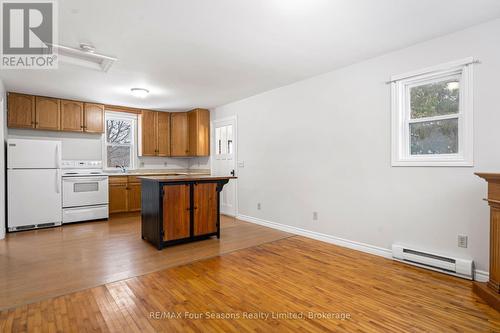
(180, 209)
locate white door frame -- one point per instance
(235, 147)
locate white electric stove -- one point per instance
(85, 191)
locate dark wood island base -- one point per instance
(180, 209)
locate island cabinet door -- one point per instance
(205, 208)
(176, 212)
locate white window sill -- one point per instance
(436, 163)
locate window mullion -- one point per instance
(436, 118)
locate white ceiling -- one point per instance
(204, 53)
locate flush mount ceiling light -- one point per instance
(85, 56)
(139, 92)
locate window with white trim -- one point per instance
(119, 140)
(432, 116)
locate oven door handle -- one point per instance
(84, 179)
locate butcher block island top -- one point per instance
(183, 178)
(182, 208)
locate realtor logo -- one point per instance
(28, 34)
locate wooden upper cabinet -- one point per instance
(199, 132)
(163, 134)
(179, 135)
(47, 113)
(205, 208)
(71, 116)
(148, 131)
(21, 111)
(93, 118)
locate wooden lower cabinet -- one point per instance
(118, 198)
(205, 208)
(134, 197)
(124, 194)
(176, 214)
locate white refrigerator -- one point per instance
(34, 198)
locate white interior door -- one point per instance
(224, 161)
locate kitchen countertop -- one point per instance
(157, 172)
(183, 178)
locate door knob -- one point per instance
(232, 173)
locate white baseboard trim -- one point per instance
(379, 251)
(479, 275)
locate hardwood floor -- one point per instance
(36, 265)
(289, 277)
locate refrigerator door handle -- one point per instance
(58, 181)
(58, 158)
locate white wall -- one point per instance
(77, 146)
(3, 128)
(74, 145)
(323, 144)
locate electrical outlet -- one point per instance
(258, 206)
(241, 164)
(315, 216)
(462, 241)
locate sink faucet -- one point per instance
(122, 167)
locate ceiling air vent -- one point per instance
(85, 56)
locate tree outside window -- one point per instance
(119, 141)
